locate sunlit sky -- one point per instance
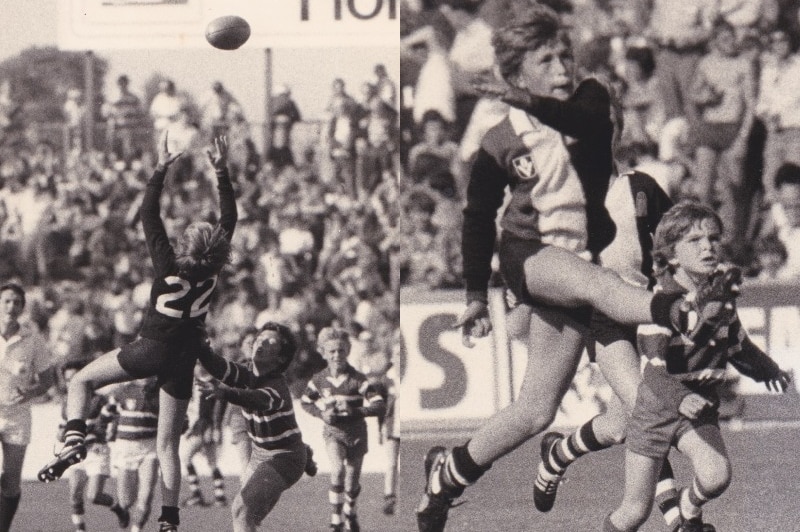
(309, 72)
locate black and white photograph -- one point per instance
(598, 267)
(198, 310)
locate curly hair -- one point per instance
(535, 27)
(288, 343)
(674, 225)
(203, 249)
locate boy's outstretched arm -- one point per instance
(230, 373)
(259, 399)
(754, 363)
(227, 202)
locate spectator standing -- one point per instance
(125, 116)
(341, 135)
(385, 87)
(218, 108)
(723, 91)
(680, 30)
(74, 114)
(779, 108)
(25, 372)
(165, 107)
(285, 114)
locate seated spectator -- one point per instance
(770, 258)
(441, 151)
(784, 218)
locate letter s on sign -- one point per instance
(454, 387)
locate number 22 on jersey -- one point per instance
(189, 301)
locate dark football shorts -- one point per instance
(172, 362)
(719, 137)
(514, 251)
(352, 437)
(605, 331)
(654, 428)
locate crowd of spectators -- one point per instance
(314, 245)
(710, 93)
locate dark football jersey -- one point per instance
(177, 305)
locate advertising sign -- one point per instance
(180, 24)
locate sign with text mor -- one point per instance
(180, 24)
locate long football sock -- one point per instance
(569, 449)
(8, 508)
(336, 498)
(667, 497)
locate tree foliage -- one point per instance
(41, 76)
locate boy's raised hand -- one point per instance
(165, 158)
(219, 156)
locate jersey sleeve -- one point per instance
(227, 202)
(161, 252)
(485, 193)
(586, 115)
(374, 404)
(747, 358)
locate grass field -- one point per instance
(45, 508)
(762, 497)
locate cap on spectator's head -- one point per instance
(281, 89)
(217, 86)
(122, 80)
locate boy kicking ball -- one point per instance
(678, 401)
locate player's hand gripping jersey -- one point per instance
(178, 305)
(678, 367)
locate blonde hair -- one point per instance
(203, 249)
(333, 333)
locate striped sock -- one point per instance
(193, 479)
(79, 521)
(336, 498)
(219, 484)
(74, 432)
(460, 469)
(569, 449)
(692, 501)
(349, 507)
(667, 497)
